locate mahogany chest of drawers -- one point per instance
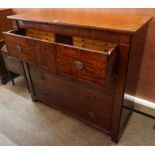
(80, 64)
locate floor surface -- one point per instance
(23, 122)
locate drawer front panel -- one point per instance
(77, 108)
(20, 47)
(74, 91)
(83, 64)
(83, 112)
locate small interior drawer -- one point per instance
(40, 35)
(97, 47)
(84, 40)
(92, 43)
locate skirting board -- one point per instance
(141, 104)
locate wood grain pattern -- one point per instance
(119, 88)
(121, 23)
(21, 47)
(138, 42)
(40, 35)
(95, 64)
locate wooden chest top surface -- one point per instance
(110, 22)
(5, 9)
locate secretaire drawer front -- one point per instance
(20, 46)
(87, 65)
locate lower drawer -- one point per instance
(73, 97)
(70, 105)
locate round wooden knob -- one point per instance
(78, 65)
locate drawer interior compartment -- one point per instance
(80, 42)
(48, 36)
(95, 62)
(40, 35)
(92, 44)
(75, 41)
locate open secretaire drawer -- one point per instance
(84, 59)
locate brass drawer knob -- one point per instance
(19, 48)
(78, 65)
